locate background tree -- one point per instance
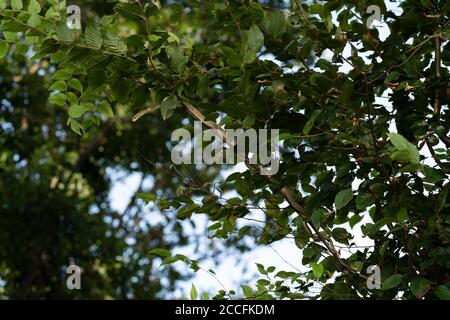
(55, 188)
(364, 122)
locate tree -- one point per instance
(346, 156)
(55, 188)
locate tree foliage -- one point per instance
(364, 121)
(55, 189)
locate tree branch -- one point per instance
(437, 71)
(285, 192)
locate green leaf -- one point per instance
(58, 85)
(61, 75)
(72, 98)
(432, 175)
(215, 226)
(121, 90)
(354, 220)
(317, 9)
(176, 258)
(343, 198)
(34, 7)
(205, 296)
(63, 33)
(358, 265)
(76, 111)
(243, 231)
(31, 40)
(11, 37)
(105, 21)
(384, 247)
(168, 105)
(392, 281)
(317, 269)
(309, 252)
(93, 37)
(419, 287)
(105, 109)
(406, 151)
(59, 99)
(341, 235)
(172, 38)
(76, 84)
(442, 292)
(147, 197)
(75, 126)
(264, 282)
(364, 200)
(308, 126)
(391, 76)
(411, 167)
(403, 156)
(446, 34)
(193, 293)
(4, 46)
(177, 59)
(249, 55)
(277, 24)
(402, 215)
(17, 4)
(398, 141)
(88, 122)
(160, 252)
(247, 290)
(255, 40)
(248, 121)
(318, 217)
(34, 20)
(131, 11)
(2, 4)
(441, 201)
(115, 45)
(261, 269)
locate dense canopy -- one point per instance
(362, 107)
